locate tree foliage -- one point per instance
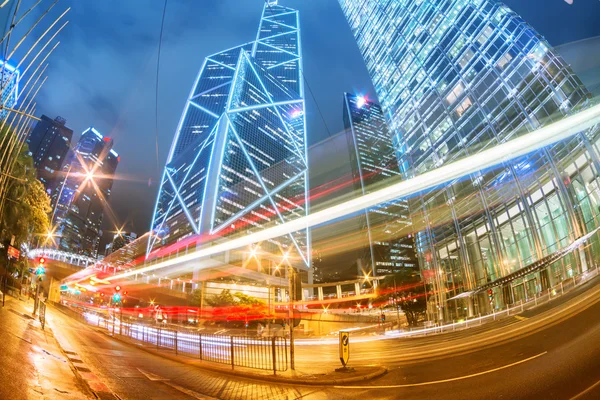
(226, 299)
(26, 204)
(406, 290)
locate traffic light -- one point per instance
(40, 270)
(117, 295)
(382, 317)
(491, 295)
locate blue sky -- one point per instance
(103, 73)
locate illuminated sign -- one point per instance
(13, 252)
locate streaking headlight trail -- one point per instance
(494, 156)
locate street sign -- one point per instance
(344, 347)
(13, 252)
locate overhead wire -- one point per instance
(162, 26)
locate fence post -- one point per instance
(158, 338)
(175, 342)
(232, 361)
(121, 321)
(113, 324)
(200, 345)
(274, 355)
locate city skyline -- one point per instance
(81, 198)
(343, 71)
(408, 189)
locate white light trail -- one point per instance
(494, 156)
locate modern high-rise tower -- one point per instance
(454, 77)
(9, 79)
(373, 160)
(49, 144)
(84, 192)
(238, 159)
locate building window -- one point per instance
(455, 93)
(505, 59)
(485, 35)
(464, 106)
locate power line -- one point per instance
(162, 26)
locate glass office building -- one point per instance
(83, 193)
(238, 159)
(49, 143)
(373, 161)
(457, 76)
(9, 86)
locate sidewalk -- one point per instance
(33, 365)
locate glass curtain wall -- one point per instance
(455, 77)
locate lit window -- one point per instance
(464, 106)
(464, 60)
(485, 35)
(455, 93)
(505, 59)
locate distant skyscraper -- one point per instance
(454, 77)
(119, 241)
(84, 192)
(238, 159)
(9, 79)
(373, 160)
(49, 144)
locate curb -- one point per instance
(249, 375)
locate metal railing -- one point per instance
(540, 298)
(265, 353)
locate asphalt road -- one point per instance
(562, 361)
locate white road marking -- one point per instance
(459, 378)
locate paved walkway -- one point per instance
(32, 364)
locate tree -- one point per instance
(26, 204)
(405, 289)
(226, 299)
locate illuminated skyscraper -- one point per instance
(238, 159)
(454, 77)
(49, 144)
(84, 192)
(373, 161)
(9, 80)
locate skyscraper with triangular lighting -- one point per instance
(238, 160)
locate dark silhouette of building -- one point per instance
(49, 143)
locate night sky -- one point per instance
(103, 74)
